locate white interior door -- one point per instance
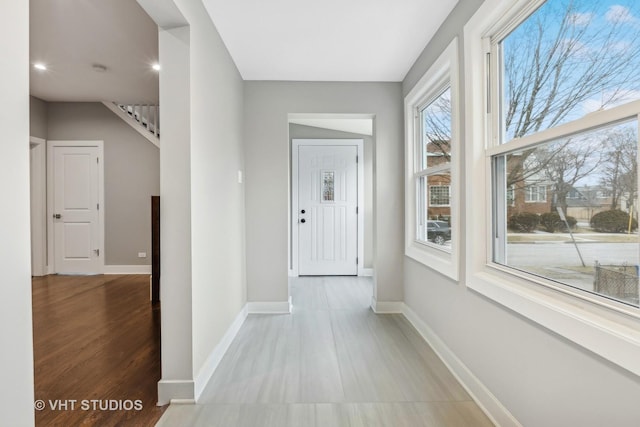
(75, 210)
(327, 210)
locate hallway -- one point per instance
(332, 362)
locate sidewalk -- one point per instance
(592, 237)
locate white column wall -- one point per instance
(175, 217)
(16, 336)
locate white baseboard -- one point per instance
(170, 391)
(386, 307)
(127, 269)
(212, 362)
(366, 272)
(276, 307)
(489, 404)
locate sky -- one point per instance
(600, 34)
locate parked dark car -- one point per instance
(438, 231)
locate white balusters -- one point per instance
(147, 115)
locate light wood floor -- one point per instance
(95, 338)
(332, 362)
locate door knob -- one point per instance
(57, 216)
(303, 211)
(303, 220)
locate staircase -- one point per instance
(144, 118)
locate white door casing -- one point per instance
(76, 206)
(326, 224)
(38, 167)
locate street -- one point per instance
(564, 254)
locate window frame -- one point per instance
(528, 192)
(608, 328)
(440, 205)
(442, 74)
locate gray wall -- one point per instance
(541, 378)
(310, 132)
(131, 174)
(38, 117)
(267, 105)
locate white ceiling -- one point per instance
(302, 40)
(69, 36)
(327, 40)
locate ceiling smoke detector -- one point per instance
(99, 68)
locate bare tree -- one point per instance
(550, 72)
(560, 165)
(553, 63)
(565, 164)
(437, 126)
(620, 174)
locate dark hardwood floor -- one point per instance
(96, 342)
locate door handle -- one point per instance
(57, 216)
(303, 220)
(303, 211)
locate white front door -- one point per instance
(327, 210)
(75, 210)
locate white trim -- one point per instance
(443, 70)
(126, 269)
(50, 235)
(275, 307)
(367, 272)
(295, 144)
(386, 307)
(483, 397)
(170, 391)
(591, 121)
(610, 331)
(133, 123)
(214, 359)
(38, 174)
(165, 13)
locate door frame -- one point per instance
(295, 145)
(38, 188)
(51, 144)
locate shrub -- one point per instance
(613, 221)
(524, 222)
(551, 222)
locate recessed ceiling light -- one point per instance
(40, 66)
(99, 68)
(156, 67)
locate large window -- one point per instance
(433, 171)
(567, 87)
(552, 98)
(432, 167)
